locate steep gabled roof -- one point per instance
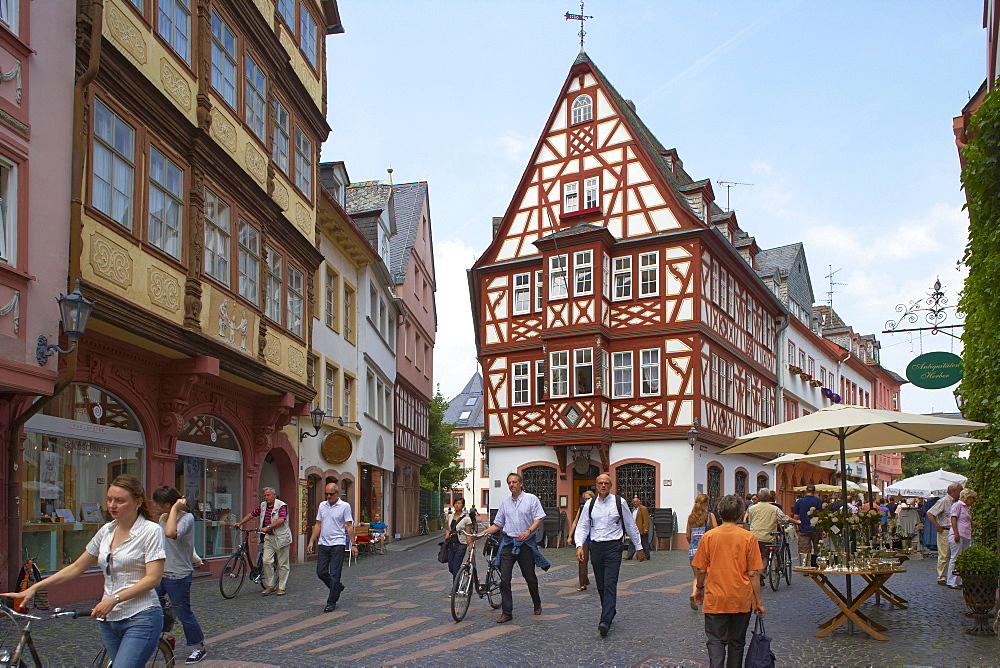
(367, 197)
(408, 199)
(470, 399)
(790, 261)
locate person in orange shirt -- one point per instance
(728, 566)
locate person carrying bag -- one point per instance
(759, 654)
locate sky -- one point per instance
(838, 113)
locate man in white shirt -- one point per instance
(605, 519)
(335, 529)
(519, 516)
(940, 516)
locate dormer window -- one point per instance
(583, 109)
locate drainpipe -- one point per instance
(79, 148)
(783, 321)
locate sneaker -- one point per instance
(196, 656)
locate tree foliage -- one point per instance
(981, 304)
(443, 450)
(915, 463)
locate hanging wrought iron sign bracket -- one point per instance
(934, 310)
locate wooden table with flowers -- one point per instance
(875, 578)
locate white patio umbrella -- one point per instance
(934, 483)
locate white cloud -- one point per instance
(455, 348)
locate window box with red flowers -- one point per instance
(805, 376)
(794, 369)
(815, 383)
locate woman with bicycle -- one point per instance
(130, 551)
(178, 528)
(457, 522)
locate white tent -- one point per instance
(934, 483)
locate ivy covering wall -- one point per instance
(981, 304)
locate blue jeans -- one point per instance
(131, 642)
(179, 592)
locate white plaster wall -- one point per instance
(507, 460)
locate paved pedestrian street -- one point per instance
(395, 611)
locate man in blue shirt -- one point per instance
(808, 536)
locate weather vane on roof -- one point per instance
(582, 18)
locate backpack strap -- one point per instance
(621, 515)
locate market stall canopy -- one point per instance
(885, 450)
(824, 488)
(934, 483)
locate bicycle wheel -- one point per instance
(773, 571)
(786, 554)
(163, 657)
(232, 576)
(493, 586)
(461, 592)
(101, 660)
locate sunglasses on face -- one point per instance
(331, 493)
(107, 567)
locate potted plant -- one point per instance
(815, 383)
(979, 567)
(805, 376)
(794, 369)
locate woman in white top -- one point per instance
(457, 522)
(129, 550)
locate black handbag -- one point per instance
(759, 654)
(169, 614)
(443, 552)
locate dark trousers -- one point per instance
(582, 567)
(726, 633)
(525, 560)
(645, 546)
(606, 557)
(456, 555)
(329, 562)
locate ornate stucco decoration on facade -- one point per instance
(110, 260)
(303, 220)
(280, 195)
(13, 305)
(163, 289)
(224, 131)
(15, 75)
(175, 84)
(228, 331)
(256, 164)
(296, 361)
(265, 8)
(272, 351)
(127, 34)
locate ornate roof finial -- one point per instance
(390, 175)
(582, 18)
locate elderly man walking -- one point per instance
(640, 514)
(334, 528)
(940, 516)
(273, 514)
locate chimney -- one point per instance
(496, 224)
(631, 105)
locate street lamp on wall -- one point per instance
(316, 415)
(74, 312)
(692, 433)
(484, 445)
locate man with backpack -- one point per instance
(606, 519)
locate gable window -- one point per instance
(584, 270)
(279, 150)
(166, 203)
(590, 193)
(649, 274)
(331, 298)
(621, 365)
(522, 293)
(650, 371)
(272, 286)
(307, 35)
(560, 374)
(521, 384)
(583, 371)
(623, 278)
(249, 261)
(583, 109)
(286, 8)
(571, 197)
(256, 93)
(8, 214)
(114, 165)
(216, 238)
(223, 60)
(294, 321)
(303, 174)
(557, 277)
(174, 25)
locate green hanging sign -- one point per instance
(933, 371)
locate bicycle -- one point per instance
(423, 525)
(163, 657)
(779, 561)
(240, 564)
(467, 579)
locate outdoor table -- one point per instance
(849, 608)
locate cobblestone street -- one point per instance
(395, 611)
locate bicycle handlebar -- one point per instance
(58, 612)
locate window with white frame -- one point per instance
(811, 366)
(522, 294)
(286, 8)
(539, 381)
(330, 389)
(331, 310)
(583, 371)
(307, 35)
(248, 261)
(606, 276)
(590, 200)
(114, 165)
(10, 14)
(281, 138)
(350, 318)
(649, 369)
(539, 289)
(571, 197)
(623, 278)
(559, 365)
(174, 25)
(272, 286)
(583, 109)
(649, 274)
(166, 203)
(256, 94)
(621, 369)
(557, 277)
(583, 268)
(303, 172)
(8, 213)
(295, 299)
(217, 237)
(522, 384)
(223, 60)
(791, 352)
(347, 409)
